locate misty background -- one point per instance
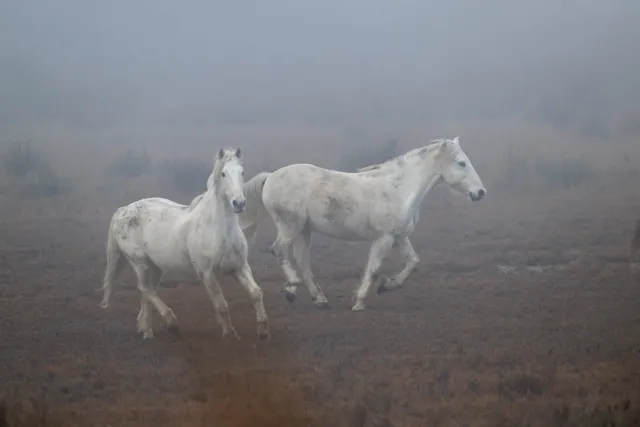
(97, 66)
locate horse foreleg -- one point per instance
(378, 252)
(220, 305)
(250, 234)
(411, 263)
(245, 277)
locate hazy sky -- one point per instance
(114, 63)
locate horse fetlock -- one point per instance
(170, 319)
(229, 332)
(290, 290)
(322, 305)
(275, 250)
(359, 305)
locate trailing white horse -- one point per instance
(166, 241)
(379, 203)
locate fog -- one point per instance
(104, 65)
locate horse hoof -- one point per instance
(324, 305)
(174, 329)
(359, 306)
(263, 331)
(231, 335)
(147, 335)
(290, 296)
(383, 285)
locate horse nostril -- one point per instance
(238, 204)
(481, 193)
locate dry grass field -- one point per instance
(555, 340)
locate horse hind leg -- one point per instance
(144, 315)
(280, 249)
(169, 317)
(411, 263)
(149, 277)
(302, 256)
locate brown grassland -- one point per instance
(463, 344)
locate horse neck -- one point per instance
(419, 178)
(214, 209)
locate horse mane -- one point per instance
(195, 201)
(402, 158)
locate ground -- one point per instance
(465, 343)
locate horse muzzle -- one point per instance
(478, 195)
(238, 205)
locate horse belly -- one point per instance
(179, 275)
(174, 266)
(344, 230)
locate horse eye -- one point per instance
(242, 173)
(224, 174)
(462, 163)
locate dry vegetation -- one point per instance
(463, 344)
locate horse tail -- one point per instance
(635, 241)
(255, 209)
(115, 262)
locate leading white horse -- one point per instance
(379, 203)
(164, 240)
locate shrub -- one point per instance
(526, 171)
(131, 164)
(188, 175)
(564, 172)
(29, 172)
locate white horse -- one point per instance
(379, 203)
(164, 240)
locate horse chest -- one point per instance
(224, 253)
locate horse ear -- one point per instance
(456, 140)
(238, 152)
(220, 154)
